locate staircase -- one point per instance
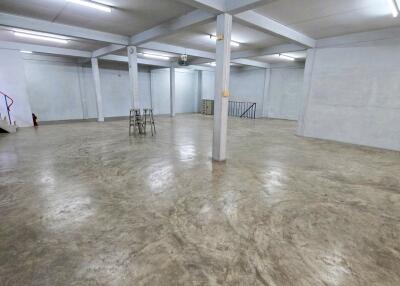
(6, 125)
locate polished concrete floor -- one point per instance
(84, 204)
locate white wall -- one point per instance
(60, 89)
(186, 93)
(12, 83)
(285, 93)
(279, 97)
(353, 95)
(207, 84)
(115, 91)
(53, 88)
(248, 86)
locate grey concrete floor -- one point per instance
(84, 204)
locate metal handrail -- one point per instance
(8, 106)
(242, 109)
(248, 109)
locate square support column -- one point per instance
(172, 90)
(308, 72)
(133, 77)
(97, 86)
(222, 73)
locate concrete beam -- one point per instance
(177, 50)
(147, 62)
(212, 6)
(238, 6)
(60, 29)
(107, 50)
(245, 62)
(251, 63)
(221, 100)
(286, 48)
(43, 49)
(265, 24)
(186, 21)
(226, 6)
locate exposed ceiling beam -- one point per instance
(238, 6)
(251, 63)
(61, 29)
(265, 24)
(226, 6)
(177, 50)
(148, 62)
(107, 50)
(245, 62)
(285, 48)
(44, 49)
(212, 6)
(186, 21)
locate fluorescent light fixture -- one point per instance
(26, 52)
(233, 43)
(92, 4)
(394, 7)
(157, 57)
(285, 57)
(42, 38)
(212, 64)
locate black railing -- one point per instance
(8, 105)
(242, 109)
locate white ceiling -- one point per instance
(327, 18)
(298, 56)
(198, 38)
(315, 18)
(7, 34)
(128, 17)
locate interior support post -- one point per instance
(133, 77)
(97, 86)
(222, 73)
(172, 90)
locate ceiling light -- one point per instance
(394, 7)
(92, 4)
(26, 52)
(233, 43)
(153, 56)
(212, 64)
(285, 57)
(42, 38)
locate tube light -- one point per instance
(285, 57)
(42, 38)
(212, 64)
(153, 56)
(394, 8)
(26, 52)
(92, 4)
(233, 43)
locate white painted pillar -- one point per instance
(199, 91)
(133, 77)
(222, 73)
(172, 90)
(308, 71)
(266, 95)
(97, 86)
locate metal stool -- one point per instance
(136, 122)
(148, 118)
